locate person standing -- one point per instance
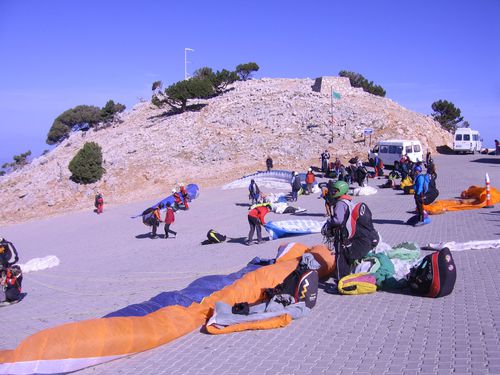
(169, 220)
(269, 163)
(310, 178)
(296, 186)
(420, 187)
(253, 192)
(497, 147)
(99, 203)
(8, 253)
(185, 195)
(256, 218)
(325, 157)
(156, 220)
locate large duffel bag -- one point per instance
(435, 275)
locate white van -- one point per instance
(466, 140)
(393, 149)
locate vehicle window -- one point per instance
(475, 137)
(466, 137)
(375, 149)
(408, 150)
(384, 149)
(458, 137)
(399, 150)
(416, 148)
(393, 150)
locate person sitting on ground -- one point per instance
(185, 196)
(178, 202)
(360, 173)
(156, 220)
(296, 186)
(98, 203)
(310, 179)
(269, 163)
(169, 220)
(353, 233)
(254, 192)
(10, 284)
(8, 254)
(256, 218)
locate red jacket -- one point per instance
(310, 178)
(169, 216)
(259, 212)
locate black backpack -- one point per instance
(215, 237)
(148, 217)
(301, 284)
(435, 275)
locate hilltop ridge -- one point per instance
(149, 150)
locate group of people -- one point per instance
(152, 216)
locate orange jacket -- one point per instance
(260, 213)
(310, 178)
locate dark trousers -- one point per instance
(254, 223)
(154, 227)
(168, 230)
(346, 254)
(420, 207)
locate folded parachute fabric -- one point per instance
(275, 179)
(472, 198)
(461, 246)
(73, 346)
(364, 190)
(38, 264)
(279, 229)
(192, 189)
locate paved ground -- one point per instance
(107, 263)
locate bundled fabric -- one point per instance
(435, 275)
(215, 237)
(461, 246)
(278, 229)
(358, 283)
(472, 198)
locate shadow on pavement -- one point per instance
(384, 221)
(145, 235)
(242, 204)
(241, 240)
(487, 160)
(307, 214)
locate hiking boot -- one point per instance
(154, 237)
(419, 224)
(248, 243)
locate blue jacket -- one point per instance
(421, 185)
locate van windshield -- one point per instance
(458, 137)
(466, 137)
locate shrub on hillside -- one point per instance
(80, 117)
(109, 111)
(86, 166)
(179, 93)
(245, 70)
(19, 161)
(357, 80)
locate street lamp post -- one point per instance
(186, 76)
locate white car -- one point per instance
(393, 150)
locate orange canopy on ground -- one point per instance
(472, 198)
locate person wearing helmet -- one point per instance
(178, 204)
(351, 228)
(420, 187)
(156, 220)
(325, 157)
(185, 195)
(310, 178)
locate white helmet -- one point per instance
(174, 191)
(310, 169)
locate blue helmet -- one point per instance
(418, 168)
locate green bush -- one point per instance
(109, 111)
(357, 80)
(86, 166)
(79, 117)
(179, 93)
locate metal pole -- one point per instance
(185, 63)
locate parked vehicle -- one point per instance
(466, 140)
(392, 150)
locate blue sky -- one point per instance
(58, 54)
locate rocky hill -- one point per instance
(148, 151)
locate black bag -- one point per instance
(301, 284)
(215, 237)
(435, 275)
(148, 217)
